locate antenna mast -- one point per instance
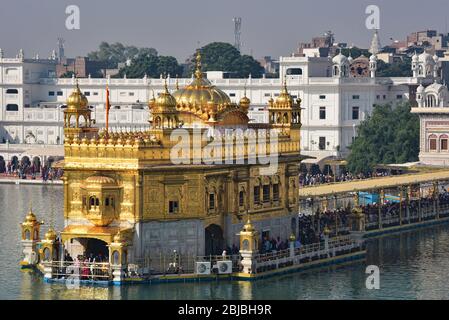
(237, 32)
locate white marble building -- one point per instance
(32, 99)
(433, 111)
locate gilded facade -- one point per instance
(127, 190)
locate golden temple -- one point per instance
(125, 198)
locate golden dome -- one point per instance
(245, 101)
(200, 91)
(30, 217)
(50, 234)
(165, 101)
(102, 180)
(248, 227)
(77, 100)
(284, 99)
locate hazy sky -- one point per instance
(174, 27)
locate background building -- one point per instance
(334, 100)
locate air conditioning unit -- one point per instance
(202, 268)
(224, 267)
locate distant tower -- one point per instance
(61, 53)
(330, 38)
(237, 32)
(375, 43)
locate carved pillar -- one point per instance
(30, 238)
(249, 247)
(357, 217)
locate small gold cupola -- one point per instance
(164, 112)
(77, 100)
(285, 113)
(245, 102)
(77, 117)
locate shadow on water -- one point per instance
(412, 266)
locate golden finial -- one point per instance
(198, 73)
(165, 84)
(284, 85)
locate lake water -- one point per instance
(413, 265)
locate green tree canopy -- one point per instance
(389, 135)
(355, 52)
(68, 74)
(402, 68)
(151, 65)
(114, 53)
(222, 56)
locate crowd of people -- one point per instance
(25, 170)
(392, 210)
(309, 179)
(86, 267)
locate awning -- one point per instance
(105, 234)
(372, 184)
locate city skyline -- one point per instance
(176, 28)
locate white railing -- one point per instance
(79, 270)
(284, 258)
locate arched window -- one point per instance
(241, 198)
(97, 202)
(115, 257)
(157, 122)
(46, 254)
(431, 101)
(27, 235)
(106, 202)
(336, 71)
(432, 142)
(294, 71)
(12, 107)
(443, 142)
(91, 202)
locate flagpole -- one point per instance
(107, 110)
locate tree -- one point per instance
(114, 53)
(151, 65)
(389, 135)
(221, 56)
(68, 74)
(355, 52)
(402, 68)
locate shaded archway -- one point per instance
(85, 248)
(2, 165)
(14, 162)
(97, 249)
(214, 241)
(25, 161)
(37, 164)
